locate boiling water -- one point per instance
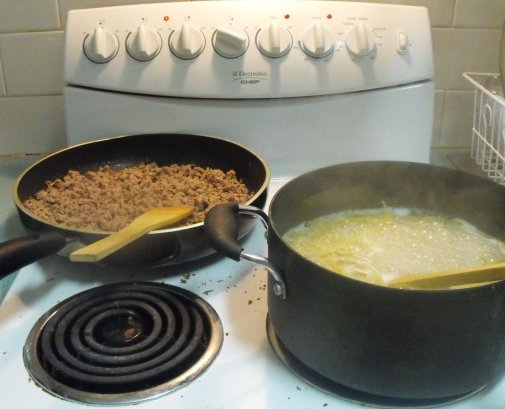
(384, 244)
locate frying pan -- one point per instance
(159, 247)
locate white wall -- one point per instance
(466, 37)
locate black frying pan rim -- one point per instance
(73, 231)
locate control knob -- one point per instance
(360, 40)
(317, 41)
(186, 42)
(274, 41)
(144, 44)
(230, 42)
(101, 46)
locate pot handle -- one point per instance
(222, 233)
(17, 253)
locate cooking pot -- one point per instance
(159, 247)
(343, 334)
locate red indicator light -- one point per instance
(329, 16)
(166, 18)
(286, 16)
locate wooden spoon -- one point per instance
(451, 278)
(152, 219)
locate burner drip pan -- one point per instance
(123, 343)
(333, 388)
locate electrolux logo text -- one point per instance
(249, 77)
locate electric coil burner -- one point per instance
(123, 343)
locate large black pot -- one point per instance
(372, 342)
(159, 247)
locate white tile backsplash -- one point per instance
(457, 119)
(479, 13)
(24, 76)
(460, 50)
(465, 36)
(3, 92)
(28, 15)
(31, 124)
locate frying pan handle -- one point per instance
(22, 251)
(222, 233)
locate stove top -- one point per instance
(246, 373)
(123, 343)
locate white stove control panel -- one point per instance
(248, 49)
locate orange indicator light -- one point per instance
(166, 18)
(329, 16)
(286, 16)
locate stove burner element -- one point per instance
(123, 343)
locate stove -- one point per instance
(304, 84)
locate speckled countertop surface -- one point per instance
(12, 166)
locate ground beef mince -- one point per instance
(108, 199)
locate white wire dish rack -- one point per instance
(488, 132)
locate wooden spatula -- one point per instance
(152, 219)
(451, 278)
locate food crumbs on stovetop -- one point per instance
(185, 278)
